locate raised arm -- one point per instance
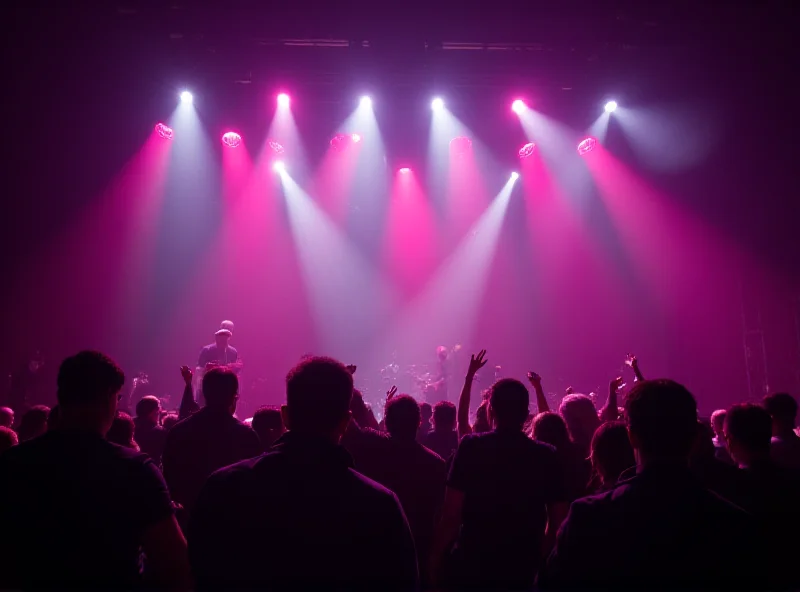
(610, 411)
(475, 364)
(541, 401)
(188, 404)
(634, 365)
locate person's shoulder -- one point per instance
(238, 470)
(429, 456)
(369, 489)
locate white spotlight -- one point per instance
(437, 104)
(279, 167)
(283, 100)
(611, 106)
(186, 97)
(514, 176)
(366, 101)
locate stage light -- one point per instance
(279, 167)
(341, 142)
(164, 131)
(611, 106)
(355, 137)
(518, 106)
(275, 146)
(186, 97)
(404, 170)
(527, 150)
(586, 145)
(231, 139)
(365, 101)
(283, 100)
(437, 104)
(460, 145)
(514, 176)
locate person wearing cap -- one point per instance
(220, 353)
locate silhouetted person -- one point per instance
(721, 477)
(611, 454)
(121, 431)
(549, 427)
(207, 440)
(81, 508)
(268, 424)
(365, 444)
(504, 500)
(6, 417)
(443, 438)
(8, 438)
(661, 528)
(720, 445)
(785, 448)
(426, 413)
(769, 492)
(581, 418)
(149, 435)
(300, 517)
(33, 423)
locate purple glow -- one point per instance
(586, 146)
(460, 145)
(283, 100)
(275, 146)
(164, 131)
(231, 139)
(404, 170)
(518, 106)
(341, 142)
(527, 150)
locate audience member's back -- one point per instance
(299, 517)
(149, 435)
(208, 440)
(785, 447)
(443, 438)
(75, 509)
(661, 528)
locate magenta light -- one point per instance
(355, 137)
(586, 146)
(231, 139)
(343, 141)
(164, 131)
(527, 150)
(404, 170)
(275, 146)
(283, 100)
(518, 106)
(460, 145)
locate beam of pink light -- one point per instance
(467, 196)
(410, 247)
(334, 179)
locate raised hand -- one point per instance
(186, 373)
(535, 379)
(476, 363)
(391, 393)
(616, 384)
(569, 391)
(351, 368)
(632, 361)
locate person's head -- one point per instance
(580, 415)
(169, 421)
(148, 409)
(88, 389)
(718, 422)
(441, 353)
(482, 423)
(748, 430)
(402, 417)
(33, 423)
(267, 423)
(8, 438)
(662, 421)
(782, 407)
(221, 389)
(6, 417)
(222, 338)
(508, 404)
(611, 452)
(550, 428)
(121, 431)
(444, 416)
(318, 394)
(425, 411)
(358, 408)
(228, 325)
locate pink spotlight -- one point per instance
(283, 100)
(404, 170)
(527, 150)
(275, 146)
(231, 139)
(586, 146)
(355, 137)
(460, 145)
(341, 142)
(518, 106)
(164, 131)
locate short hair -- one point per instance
(402, 417)
(662, 415)
(220, 386)
(318, 394)
(267, 418)
(750, 426)
(6, 417)
(169, 421)
(444, 415)
(718, 419)
(509, 400)
(87, 378)
(8, 438)
(147, 405)
(425, 411)
(782, 407)
(550, 428)
(121, 430)
(33, 422)
(612, 452)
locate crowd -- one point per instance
(318, 494)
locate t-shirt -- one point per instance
(507, 480)
(212, 353)
(785, 452)
(73, 509)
